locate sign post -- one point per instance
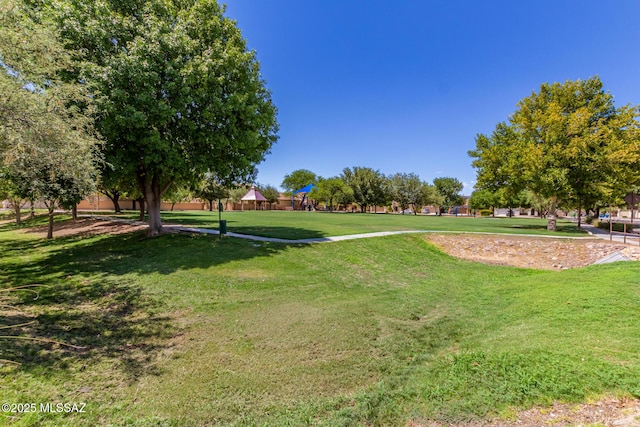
(632, 200)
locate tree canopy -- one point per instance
(47, 142)
(298, 179)
(369, 186)
(406, 190)
(270, 193)
(566, 143)
(449, 189)
(177, 91)
(332, 190)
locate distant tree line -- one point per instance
(368, 188)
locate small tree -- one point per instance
(234, 195)
(484, 199)
(114, 184)
(177, 194)
(211, 189)
(430, 195)
(9, 191)
(449, 188)
(330, 190)
(270, 193)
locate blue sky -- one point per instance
(405, 86)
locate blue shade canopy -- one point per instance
(306, 189)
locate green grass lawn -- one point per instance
(305, 225)
(185, 330)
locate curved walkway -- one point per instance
(593, 232)
(291, 241)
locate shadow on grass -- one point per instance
(135, 253)
(88, 295)
(79, 324)
(204, 219)
(26, 223)
(129, 253)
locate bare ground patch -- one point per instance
(88, 227)
(530, 252)
(609, 412)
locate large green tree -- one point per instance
(178, 92)
(332, 190)
(566, 143)
(270, 193)
(298, 179)
(406, 190)
(496, 158)
(369, 186)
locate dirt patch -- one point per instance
(531, 252)
(88, 227)
(608, 412)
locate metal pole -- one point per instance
(610, 224)
(219, 218)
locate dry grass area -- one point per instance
(530, 252)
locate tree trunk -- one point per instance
(153, 198)
(74, 212)
(32, 211)
(141, 207)
(551, 216)
(50, 228)
(579, 211)
(115, 199)
(210, 205)
(16, 209)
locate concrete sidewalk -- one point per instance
(593, 232)
(292, 241)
